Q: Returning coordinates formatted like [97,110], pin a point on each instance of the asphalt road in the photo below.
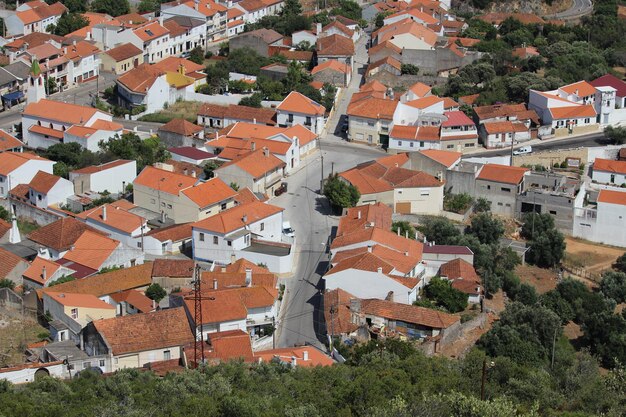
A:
[301,319]
[585,141]
[578,8]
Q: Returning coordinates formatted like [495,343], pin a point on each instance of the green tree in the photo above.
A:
[380,19]
[209,167]
[69,22]
[482,205]
[291,8]
[74,6]
[51,86]
[439,230]
[526,294]
[217,77]
[234,186]
[613,286]
[404,227]
[443,294]
[253,100]
[112,7]
[155,292]
[547,245]
[130,146]
[64,278]
[349,9]
[340,193]
[487,228]
[458,203]
[409,69]
[4,214]
[617,135]
[147,6]
[197,55]
[604,333]
[620,263]
[493,283]
[7,283]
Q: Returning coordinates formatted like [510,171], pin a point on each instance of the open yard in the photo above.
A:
[15,334]
[543,280]
[593,257]
[187,110]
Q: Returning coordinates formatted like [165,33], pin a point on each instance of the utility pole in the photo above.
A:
[512,143]
[332,328]
[553,346]
[322,171]
[274,333]
[197,289]
[69,367]
[483,380]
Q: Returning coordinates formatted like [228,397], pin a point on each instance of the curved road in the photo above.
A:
[579,8]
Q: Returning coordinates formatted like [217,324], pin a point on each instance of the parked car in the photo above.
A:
[287,230]
[281,190]
[523,150]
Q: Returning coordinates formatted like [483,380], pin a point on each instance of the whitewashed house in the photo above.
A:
[20,168]
[299,109]
[605,223]
[112,176]
[47,190]
[606,171]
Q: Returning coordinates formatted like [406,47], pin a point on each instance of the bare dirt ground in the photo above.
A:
[593,257]
[460,347]
[572,331]
[15,334]
[543,280]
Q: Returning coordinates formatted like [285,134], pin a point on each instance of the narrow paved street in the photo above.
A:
[301,318]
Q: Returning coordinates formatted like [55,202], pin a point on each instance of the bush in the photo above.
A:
[457,203]
[7,283]
[443,294]
[155,292]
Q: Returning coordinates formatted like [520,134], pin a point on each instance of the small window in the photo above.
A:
[139,245]
[223,206]
[489,187]
[262,226]
[500,204]
[553,212]
[86,365]
[229,242]
[39,197]
[101,362]
[201,237]
[215,240]
[163,204]
[167,355]
[399,143]
[411,144]
[505,189]
[450,147]
[74,313]
[169,206]
[152,201]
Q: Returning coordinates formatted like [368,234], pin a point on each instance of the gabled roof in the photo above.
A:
[268,36]
[612,197]
[256,163]
[150,31]
[209,193]
[135,298]
[219,307]
[459,268]
[335,45]
[610,80]
[92,169]
[79,300]
[373,108]
[570,112]
[181,127]
[35,271]
[388,60]
[108,283]
[315,357]
[123,52]
[116,218]
[299,103]
[504,127]
[10,161]
[59,111]
[61,234]
[228,345]
[609,165]
[33,39]
[40,11]
[424,17]
[502,173]
[333,65]
[92,249]
[143,332]
[191,152]
[8,262]
[368,215]
[420,89]
[406,26]
[224,279]
[339,26]
[364,261]
[8,141]
[260,115]
[43,182]
[409,314]
[446,158]
[581,89]
[457,118]
[233,219]
[164,181]
[382,237]
[337,313]
[140,78]
[424,102]
[173,268]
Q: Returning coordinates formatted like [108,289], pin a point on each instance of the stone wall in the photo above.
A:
[31,213]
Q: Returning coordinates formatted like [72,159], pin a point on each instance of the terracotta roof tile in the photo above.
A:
[123,52]
[61,234]
[210,192]
[504,127]
[92,169]
[143,332]
[43,182]
[333,65]
[340,320]
[181,127]
[8,141]
[91,249]
[59,111]
[612,197]
[335,45]
[9,161]
[360,217]
[229,345]
[409,314]
[173,268]
[135,298]
[382,237]
[569,112]
[502,173]
[36,269]
[372,108]
[116,218]
[581,89]
[609,165]
[447,158]
[299,103]
[256,163]
[175,233]
[150,31]
[8,262]
[164,181]
[233,219]
[315,357]
[220,306]
[4,227]
[261,115]
[79,300]
[610,80]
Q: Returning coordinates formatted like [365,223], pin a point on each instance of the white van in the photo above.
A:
[523,150]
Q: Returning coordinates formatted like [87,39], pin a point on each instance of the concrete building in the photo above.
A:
[258,170]
[121,59]
[33,16]
[501,185]
[260,41]
[49,190]
[604,223]
[299,109]
[112,176]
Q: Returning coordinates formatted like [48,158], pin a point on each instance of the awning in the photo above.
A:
[16,95]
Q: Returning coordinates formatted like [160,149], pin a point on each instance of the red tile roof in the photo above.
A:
[447,158]
[173,268]
[333,65]
[9,261]
[61,234]
[144,332]
[256,163]
[150,31]
[209,193]
[175,233]
[233,219]
[164,181]
[382,237]
[610,80]
[123,52]
[8,141]
[299,103]
[612,197]
[409,314]
[102,167]
[457,118]
[609,165]
[337,313]
[581,89]
[360,217]
[570,112]
[79,300]
[229,345]
[43,182]
[9,161]
[116,218]
[181,127]
[502,173]
[35,271]
[136,299]
[59,111]
[335,45]
[92,249]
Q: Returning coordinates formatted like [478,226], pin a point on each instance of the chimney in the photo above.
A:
[104,213]
[380,269]
[195,4]
[406,253]
[154,305]
[253,146]
[355,305]
[359,215]
[389,296]
[185,171]
[398,231]
[294,361]
[248,277]
[318,29]
[406,234]
[266,152]
[214,284]
[161,20]
[193,173]
[254,121]
[223,269]
[369,248]
[244,219]
[44,275]
[305,355]
[61,295]
[233,258]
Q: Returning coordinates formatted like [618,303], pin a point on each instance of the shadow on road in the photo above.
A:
[322,206]
[317,302]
